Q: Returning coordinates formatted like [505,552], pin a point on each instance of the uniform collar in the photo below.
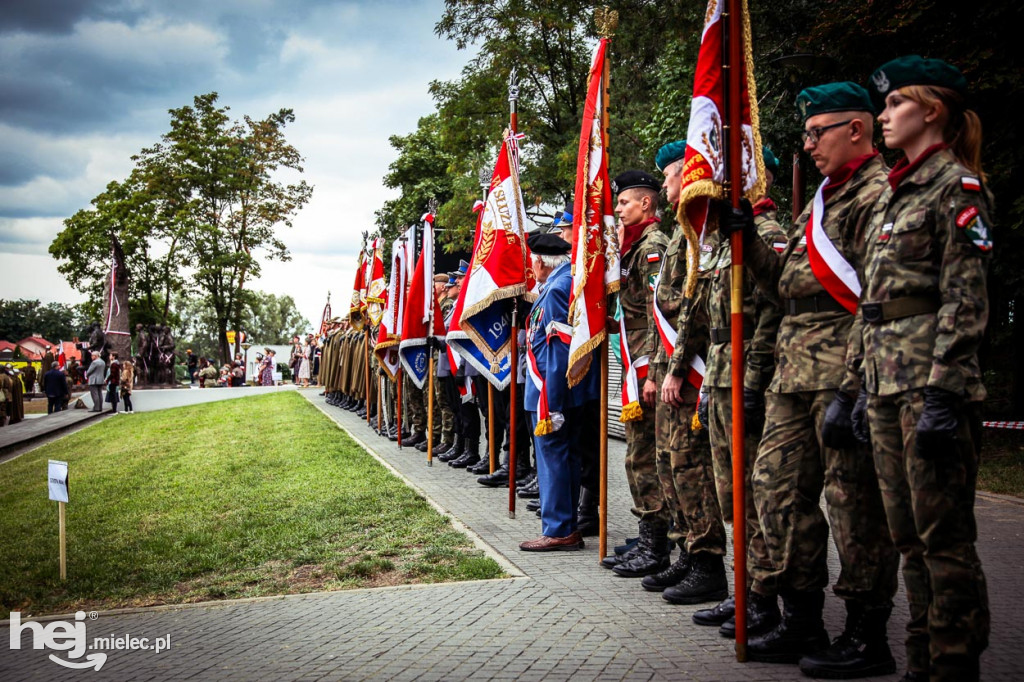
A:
[631,234]
[920,171]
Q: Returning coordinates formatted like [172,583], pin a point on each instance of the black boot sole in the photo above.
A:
[702,598]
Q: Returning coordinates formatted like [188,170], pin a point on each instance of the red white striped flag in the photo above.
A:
[703,174]
[595,247]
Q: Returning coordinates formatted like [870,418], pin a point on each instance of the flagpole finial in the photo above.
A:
[513,85]
[432,205]
[606,20]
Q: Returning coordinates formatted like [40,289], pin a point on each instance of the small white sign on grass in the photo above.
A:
[57,477]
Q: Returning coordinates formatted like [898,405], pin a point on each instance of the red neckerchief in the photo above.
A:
[631,233]
[763,205]
[844,173]
[904,168]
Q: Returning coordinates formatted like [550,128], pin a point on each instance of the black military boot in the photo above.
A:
[588,518]
[651,555]
[762,616]
[454,450]
[801,632]
[414,440]
[499,479]
[483,467]
[422,447]
[716,615]
[706,581]
[861,651]
[671,576]
[445,447]
[357,406]
[470,456]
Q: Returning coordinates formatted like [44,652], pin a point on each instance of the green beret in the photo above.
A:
[670,153]
[913,69]
[822,99]
[771,163]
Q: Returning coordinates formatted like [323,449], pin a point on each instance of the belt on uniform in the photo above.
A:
[633,325]
[819,303]
[724,334]
[897,308]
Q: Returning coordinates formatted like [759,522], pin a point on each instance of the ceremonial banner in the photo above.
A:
[389,333]
[703,175]
[62,358]
[375,284]
[325,318]
[460,346]
[357,309]
[500,269]
[422,318]
[595,248]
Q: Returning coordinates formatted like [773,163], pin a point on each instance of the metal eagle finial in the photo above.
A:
[606,20]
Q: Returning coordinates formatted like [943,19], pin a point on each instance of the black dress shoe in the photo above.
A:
[533,505]
[526,482]
[529,492]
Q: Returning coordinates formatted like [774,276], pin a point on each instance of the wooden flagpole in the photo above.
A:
[366,370]
[733,67]
[513,121]
[430,405]
[398,406]
[606,20]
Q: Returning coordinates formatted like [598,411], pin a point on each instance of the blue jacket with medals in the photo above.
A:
[548,335]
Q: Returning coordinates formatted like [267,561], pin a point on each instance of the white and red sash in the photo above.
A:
[669,335]
[633,372]
[831,269]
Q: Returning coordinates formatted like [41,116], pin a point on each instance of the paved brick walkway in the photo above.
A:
[564,618]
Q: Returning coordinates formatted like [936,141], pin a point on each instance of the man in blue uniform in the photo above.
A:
[555,410]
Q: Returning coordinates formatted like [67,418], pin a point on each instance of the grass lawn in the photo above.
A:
[1001,469]
[240,498]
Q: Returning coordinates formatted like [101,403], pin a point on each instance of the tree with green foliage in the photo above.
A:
[53,321]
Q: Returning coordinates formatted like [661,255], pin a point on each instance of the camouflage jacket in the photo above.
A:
[693,327]
[810,349]
[761,315]
[640,267]
[929,238]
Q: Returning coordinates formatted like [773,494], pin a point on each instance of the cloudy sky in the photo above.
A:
[84,84]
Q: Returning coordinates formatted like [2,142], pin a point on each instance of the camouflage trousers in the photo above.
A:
[686,474]
[414,404]
[759,564]
[930,507]
[792,469]
[444,415]
[642,470]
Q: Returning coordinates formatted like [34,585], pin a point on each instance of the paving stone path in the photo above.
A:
[560,616]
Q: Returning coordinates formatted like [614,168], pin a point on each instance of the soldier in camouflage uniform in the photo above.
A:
[761,317]
[923,312]
[683,455]
[643,246]
[793,463]
[444,416]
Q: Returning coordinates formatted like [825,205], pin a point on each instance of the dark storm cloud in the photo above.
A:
[51,16]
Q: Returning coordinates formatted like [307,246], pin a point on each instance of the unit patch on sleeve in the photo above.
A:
[969,220]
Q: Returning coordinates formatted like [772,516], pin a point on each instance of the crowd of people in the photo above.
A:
[862,321]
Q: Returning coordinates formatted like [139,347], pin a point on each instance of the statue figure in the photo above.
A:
[115,304]
[167,359]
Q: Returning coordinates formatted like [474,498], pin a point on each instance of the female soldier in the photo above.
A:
[923,311]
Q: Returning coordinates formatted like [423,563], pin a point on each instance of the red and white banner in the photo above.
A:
[704,164]
[376,285]
[357,308]
[422,319]
[830,268]
[500,268]
[62,358]
[389,333]
[595,248]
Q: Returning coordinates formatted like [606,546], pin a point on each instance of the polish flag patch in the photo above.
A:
[779,246]
[653,257]
[970,184]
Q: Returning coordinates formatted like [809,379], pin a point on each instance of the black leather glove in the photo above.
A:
[936,429]
[702,410]
[753,408]
[837,431]
[859,418]
[732,220]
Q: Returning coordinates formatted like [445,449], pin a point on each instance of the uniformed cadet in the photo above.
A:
[793,463]
[683,455]
[923,312]
[642,246]
[555,410]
